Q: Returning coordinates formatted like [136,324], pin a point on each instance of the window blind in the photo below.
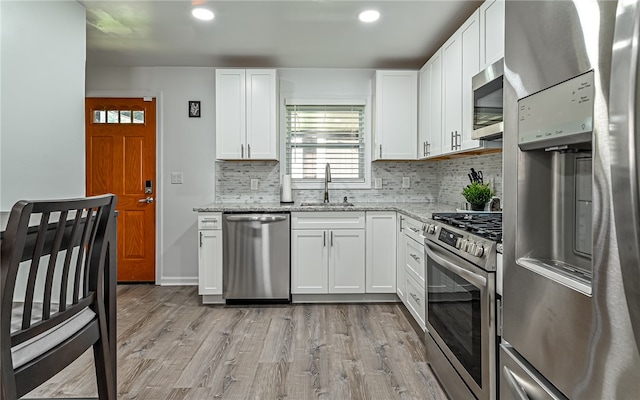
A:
[321,134]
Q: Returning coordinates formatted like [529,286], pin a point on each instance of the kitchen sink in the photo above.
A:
[336,204]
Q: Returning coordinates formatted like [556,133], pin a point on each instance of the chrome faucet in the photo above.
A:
[327,179]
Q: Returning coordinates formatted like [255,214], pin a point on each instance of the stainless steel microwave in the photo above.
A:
[488,102]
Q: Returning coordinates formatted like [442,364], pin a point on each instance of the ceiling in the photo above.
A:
[279,34]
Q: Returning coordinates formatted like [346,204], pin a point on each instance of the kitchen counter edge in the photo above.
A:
[419,211]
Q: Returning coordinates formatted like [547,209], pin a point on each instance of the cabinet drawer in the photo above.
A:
[210,221]
[414,259]
[412,228]
[416,301]
[327,220]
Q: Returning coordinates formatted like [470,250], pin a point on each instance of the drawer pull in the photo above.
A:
[200,239]
[415,257]
[416,230]
[415,297]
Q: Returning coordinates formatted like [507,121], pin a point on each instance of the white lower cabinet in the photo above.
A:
[330,258]
[412,264]
[210,254]
[381,252]
[346,260]
[401,280]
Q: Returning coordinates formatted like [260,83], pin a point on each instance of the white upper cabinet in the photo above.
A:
[430,116]
[246,114]
[396,115]
[461,60]
[491,32]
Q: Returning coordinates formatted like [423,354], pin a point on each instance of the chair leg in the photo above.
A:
[107,389]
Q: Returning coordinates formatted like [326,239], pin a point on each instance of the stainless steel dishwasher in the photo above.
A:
[256,257]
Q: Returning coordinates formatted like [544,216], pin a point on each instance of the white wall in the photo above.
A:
[185,145]
[42,108]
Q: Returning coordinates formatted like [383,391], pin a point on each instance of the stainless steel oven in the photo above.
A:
[488,102]
[461,310]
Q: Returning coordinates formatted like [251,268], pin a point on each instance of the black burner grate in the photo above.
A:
[486,225]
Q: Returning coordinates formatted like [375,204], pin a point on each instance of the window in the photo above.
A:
[321,134]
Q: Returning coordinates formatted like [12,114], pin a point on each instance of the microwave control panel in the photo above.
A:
[561,114]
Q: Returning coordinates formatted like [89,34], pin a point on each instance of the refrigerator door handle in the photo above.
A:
[625,149]
[517,390]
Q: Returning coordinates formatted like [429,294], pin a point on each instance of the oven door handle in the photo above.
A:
[476,279]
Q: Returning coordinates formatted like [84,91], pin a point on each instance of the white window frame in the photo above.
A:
[368,138]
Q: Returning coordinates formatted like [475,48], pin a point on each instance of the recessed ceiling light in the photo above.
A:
[369,16]
[202,13]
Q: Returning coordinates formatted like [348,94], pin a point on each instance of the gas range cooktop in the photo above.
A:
[485,225]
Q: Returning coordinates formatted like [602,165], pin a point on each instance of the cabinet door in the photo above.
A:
[381,252]
[470,37]
[230,114]
[424,109]
[346,261]
[210,262]
[491,32]
[452,91]
[396,115]
[401,280]
[309,258]
[430,121]
[262,135]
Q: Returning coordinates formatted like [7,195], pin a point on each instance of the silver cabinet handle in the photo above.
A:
[147,200]
[324,239]
[424,149]
[415,297]
[241,151]
[414,229]
[401,221]
[451,140]
[415,257]
[248,151]
[331,238]
[200,239]
[428,149]
[380,151]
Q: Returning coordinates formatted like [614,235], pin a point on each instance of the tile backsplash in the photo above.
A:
[431,181]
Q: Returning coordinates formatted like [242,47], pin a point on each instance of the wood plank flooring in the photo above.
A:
[172,347]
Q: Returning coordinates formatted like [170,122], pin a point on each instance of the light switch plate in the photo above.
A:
[254,184]
[406,182]
[176,178]
[377,183]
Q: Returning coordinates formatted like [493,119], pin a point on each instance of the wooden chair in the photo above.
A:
[59,263]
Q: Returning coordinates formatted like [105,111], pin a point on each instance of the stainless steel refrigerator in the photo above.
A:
[571,296]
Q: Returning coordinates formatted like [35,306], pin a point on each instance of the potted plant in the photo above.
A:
[478,195]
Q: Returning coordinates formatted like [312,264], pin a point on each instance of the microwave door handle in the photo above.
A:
[475,279]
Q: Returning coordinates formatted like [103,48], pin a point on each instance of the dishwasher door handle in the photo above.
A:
[256,218]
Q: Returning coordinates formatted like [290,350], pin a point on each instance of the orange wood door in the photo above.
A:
[121,159]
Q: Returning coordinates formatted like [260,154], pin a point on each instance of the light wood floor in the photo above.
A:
[172,347]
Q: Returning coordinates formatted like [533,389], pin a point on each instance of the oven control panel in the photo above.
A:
[450,238]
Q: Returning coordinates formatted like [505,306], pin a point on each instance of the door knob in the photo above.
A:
[148,200]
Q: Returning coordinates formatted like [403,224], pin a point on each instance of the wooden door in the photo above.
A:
[121,159]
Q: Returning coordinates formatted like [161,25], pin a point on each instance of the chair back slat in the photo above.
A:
[64,284]
[51,267]
[33,270]
[86,232]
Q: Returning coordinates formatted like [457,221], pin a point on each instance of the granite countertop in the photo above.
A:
[419,211]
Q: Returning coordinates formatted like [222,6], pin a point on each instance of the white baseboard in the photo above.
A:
[182,281]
